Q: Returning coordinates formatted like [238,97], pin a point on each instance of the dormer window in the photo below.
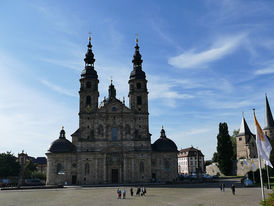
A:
[114,109]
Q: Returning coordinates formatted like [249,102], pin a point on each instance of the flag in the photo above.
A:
[263,146]
[253,166]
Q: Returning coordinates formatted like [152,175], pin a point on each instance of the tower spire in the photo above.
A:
[269,123]
[89,60]
[244,129]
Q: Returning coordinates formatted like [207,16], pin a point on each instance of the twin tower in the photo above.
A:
[112,143]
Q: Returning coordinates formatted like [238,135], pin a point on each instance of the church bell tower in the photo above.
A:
[89,94]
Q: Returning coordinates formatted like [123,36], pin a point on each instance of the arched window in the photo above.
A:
[138,85]
[88,100]
[139,100]
[167,165]
[86,168]
[127,128]
[100,131]
[142,167]
[59,169]
[114,133]
[88,85]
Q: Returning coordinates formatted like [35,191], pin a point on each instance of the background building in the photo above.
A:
[113,143]
[190,160]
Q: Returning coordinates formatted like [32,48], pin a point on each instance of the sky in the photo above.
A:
[206,62]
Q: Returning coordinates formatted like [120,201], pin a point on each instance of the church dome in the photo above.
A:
[164,144]
[62,144]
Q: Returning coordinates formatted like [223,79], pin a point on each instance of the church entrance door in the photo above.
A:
[114,175]
[74,179]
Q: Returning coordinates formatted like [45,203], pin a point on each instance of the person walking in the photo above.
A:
[119,193]
[233,189]
[131,191]
[223,187]
[124,193]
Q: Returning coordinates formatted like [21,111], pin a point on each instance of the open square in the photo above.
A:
[189,194]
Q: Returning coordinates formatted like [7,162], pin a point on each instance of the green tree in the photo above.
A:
[8,165]
[29,169]
[215,157]
[234,144]
[224,150]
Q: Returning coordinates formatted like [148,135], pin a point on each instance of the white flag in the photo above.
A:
[263,145]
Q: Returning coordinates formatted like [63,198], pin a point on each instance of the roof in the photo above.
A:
[61,145]
[190,151]
[244,129]
[40,160]
[164,144]
[269,123]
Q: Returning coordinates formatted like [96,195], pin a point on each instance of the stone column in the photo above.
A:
[132,170]
[105,168]
[125,169]
[96,170]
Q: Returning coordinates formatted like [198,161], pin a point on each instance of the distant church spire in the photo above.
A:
[269,123]
[244,129]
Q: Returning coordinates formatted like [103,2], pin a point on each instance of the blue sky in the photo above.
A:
[206,62]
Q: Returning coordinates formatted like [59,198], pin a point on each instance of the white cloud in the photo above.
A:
[192,59]
[267,70]
[58,88]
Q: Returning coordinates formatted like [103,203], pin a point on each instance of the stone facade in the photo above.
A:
[113,143]
[190,161]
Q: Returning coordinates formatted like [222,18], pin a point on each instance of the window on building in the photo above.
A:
[240,139]
[142,167]
[127,128]
[139,100]
[88,85]
[86,168]
[114,134]
[60,169]
[138,85]
[167,165]
[100,131]
[88,100]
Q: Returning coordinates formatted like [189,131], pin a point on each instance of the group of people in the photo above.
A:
[140,191]
[222,188]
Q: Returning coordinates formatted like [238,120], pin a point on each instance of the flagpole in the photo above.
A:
[268,182]
[260,168]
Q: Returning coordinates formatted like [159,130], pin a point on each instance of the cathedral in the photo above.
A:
[113,143]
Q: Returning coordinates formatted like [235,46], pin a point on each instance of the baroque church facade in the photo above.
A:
[113,143]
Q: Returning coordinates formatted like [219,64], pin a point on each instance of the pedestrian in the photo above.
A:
[233,189]
[138,191]
[144,191]
[118,193]
[124,193]
[131,191]
[223,187]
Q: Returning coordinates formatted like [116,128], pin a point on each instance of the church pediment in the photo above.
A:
[113,106]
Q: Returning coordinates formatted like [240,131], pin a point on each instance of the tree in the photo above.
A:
[215,157]
[29,169]
[8,165]
[224,150]
[234,144]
